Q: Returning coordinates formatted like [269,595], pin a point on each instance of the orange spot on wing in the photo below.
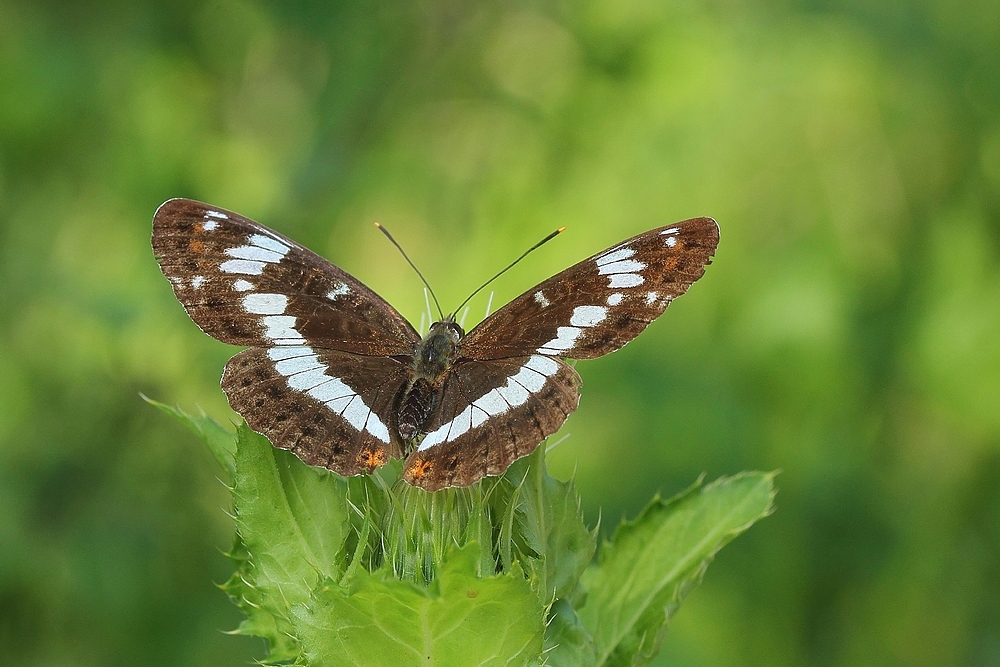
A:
[671,263]
[372,459]
[196,246]
[419,469]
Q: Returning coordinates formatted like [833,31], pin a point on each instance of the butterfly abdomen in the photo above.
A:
[416,409]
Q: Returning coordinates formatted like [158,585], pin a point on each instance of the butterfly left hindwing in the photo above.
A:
[330,408]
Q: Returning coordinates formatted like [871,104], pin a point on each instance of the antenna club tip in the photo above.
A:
[558,231]
[379,225]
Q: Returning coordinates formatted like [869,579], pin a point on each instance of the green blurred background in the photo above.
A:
[848,332]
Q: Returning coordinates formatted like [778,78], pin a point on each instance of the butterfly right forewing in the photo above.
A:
[598,305]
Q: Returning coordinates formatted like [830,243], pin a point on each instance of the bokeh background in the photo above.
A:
[848,332]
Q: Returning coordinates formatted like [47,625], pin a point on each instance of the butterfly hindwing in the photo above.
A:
[245,284]
[332,409]
[491,414]
[600,304]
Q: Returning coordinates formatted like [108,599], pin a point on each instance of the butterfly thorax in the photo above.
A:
[431,361]
[435,352]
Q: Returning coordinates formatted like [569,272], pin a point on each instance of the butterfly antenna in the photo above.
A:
[412,265]
[511,265]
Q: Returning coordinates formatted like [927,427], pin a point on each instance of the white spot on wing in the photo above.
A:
[588,316]
[198,281]
[671,241]
[478,415]
[460,424]
[329,390]
[265,304]
[377,428]
[356,413]
[543,365]
[623,266]
[267,242]
[209,225]
[216,214]
[339,290]
[242,266]
[625,280]
[540,298]
[615,299]
[529,379]
[279,353]
[242,285]
[614,256]
[338,404]
[651,297]
[281,327]
[513,393]
[255,253]
[672,230]
[564,340]
[289,367]
[435,438]
[308,379]
[492,403]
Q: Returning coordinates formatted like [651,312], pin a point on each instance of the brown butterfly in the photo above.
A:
[336,375]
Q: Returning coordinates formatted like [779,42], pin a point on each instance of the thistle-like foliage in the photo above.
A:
[371,571]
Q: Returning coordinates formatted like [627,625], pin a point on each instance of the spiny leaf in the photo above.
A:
[293,520]
[567,642]
[459,619]
[219,440]
[551,522]
[651,563]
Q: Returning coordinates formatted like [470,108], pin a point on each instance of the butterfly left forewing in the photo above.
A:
[245,284]
[491,414]
[600,304]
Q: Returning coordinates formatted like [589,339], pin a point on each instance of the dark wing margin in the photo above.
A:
[600,304]
[245,284]
[492,413]
[329,408]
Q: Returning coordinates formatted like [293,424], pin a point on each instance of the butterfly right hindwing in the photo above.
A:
[491,414]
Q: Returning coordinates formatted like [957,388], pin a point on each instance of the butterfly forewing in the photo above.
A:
[247,285]
[600,304]
[492,413]
[329,408]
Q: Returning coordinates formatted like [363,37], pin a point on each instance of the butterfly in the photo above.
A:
[337,376]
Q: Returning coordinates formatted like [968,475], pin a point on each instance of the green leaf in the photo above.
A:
[293,521]
[651,563]
[567,642]
[259,621]
[220,440]
[551,522]
[459,619]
